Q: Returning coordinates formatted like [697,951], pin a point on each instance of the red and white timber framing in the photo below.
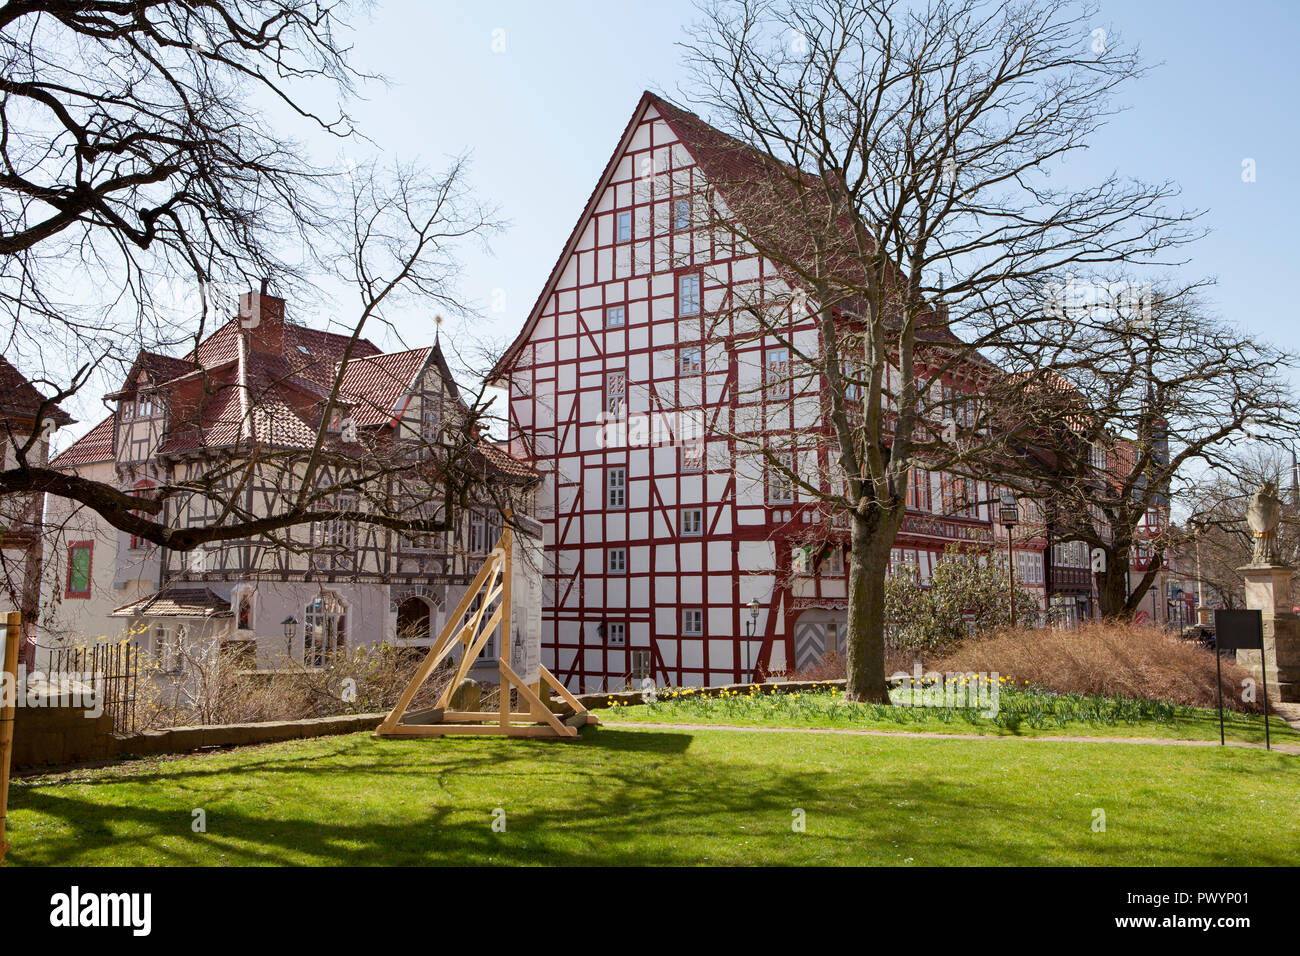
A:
[639,560]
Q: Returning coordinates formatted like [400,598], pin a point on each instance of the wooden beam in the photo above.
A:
[434,657]
[526,692]
[13,636]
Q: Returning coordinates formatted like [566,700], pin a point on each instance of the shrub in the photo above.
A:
[1103,659]
[966,595]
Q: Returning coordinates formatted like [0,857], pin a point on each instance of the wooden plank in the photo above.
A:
[471,654]
[526,692]
[434,657]
[450,730]
[471,630]
[563,691]
[507,543]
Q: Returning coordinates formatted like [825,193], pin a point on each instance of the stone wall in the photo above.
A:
[46,736]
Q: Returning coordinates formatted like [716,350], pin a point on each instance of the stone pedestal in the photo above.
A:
[1268,589]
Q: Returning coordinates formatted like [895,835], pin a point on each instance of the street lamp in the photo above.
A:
[750,625]
[1009,515]
[290,625]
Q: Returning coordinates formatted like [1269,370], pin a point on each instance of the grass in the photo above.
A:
[632,796]
[1021,711]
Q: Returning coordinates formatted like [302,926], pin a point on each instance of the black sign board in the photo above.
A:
[1240,631]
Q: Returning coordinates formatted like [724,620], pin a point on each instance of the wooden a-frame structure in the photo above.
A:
[492,585]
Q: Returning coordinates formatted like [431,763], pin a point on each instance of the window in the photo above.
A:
[168,648]
[689,361]
[833,565]
[79,566]
[681,215]
[692,521]
[244,614]
[688,294]
[616,394]
[693,456]
[615,634]
[484,531]
[339,533]
[616,488]
[960,496]
[640,665]
[918,489]
[780,483]
[778,373]
[616,560]
[623,227]
[615,317]
[692,622]
[325,633]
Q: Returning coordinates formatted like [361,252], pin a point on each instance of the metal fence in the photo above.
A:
[117,665]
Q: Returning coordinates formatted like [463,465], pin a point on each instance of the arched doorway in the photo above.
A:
[818,632]
[414,620]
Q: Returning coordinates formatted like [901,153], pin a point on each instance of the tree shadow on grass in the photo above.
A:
[615,798]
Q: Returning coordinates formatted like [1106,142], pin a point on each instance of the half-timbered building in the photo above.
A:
[248,406]
[672,553]
[28,420]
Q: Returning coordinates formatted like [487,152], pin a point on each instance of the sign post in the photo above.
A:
[1239,631]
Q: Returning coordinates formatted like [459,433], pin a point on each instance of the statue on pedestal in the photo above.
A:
[1263,512]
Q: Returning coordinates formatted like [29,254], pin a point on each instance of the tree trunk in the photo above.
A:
[1112,588]
[865,642]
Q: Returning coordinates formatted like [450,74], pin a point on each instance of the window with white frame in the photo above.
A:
[688,294]
[616,560]
[167,648]
[778,373]
[615,633]
[681,215]
[693,456]
[623,226]
[484,531]
[615,316]
[616,393]
[833,565]
[616,488]
[780,481]
[324,629]
[689,361]
[692,521]
[339,532]
[692,622]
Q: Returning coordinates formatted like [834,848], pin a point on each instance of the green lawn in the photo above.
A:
[1022,712]
[627,795]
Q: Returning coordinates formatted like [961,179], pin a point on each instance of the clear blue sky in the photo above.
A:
[543,115]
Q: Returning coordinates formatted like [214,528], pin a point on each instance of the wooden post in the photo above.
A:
[507,637]
[13,637]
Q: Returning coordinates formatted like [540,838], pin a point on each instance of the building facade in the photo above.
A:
[241,414]
[28,421]
[672,553]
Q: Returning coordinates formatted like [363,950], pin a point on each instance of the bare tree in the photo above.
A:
[1129,395]
[1213,537]
[909,188]
[149,169]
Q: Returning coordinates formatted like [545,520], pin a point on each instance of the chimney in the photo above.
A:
[261,318]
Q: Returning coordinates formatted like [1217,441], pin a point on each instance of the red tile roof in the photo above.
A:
[90,449]
[19,397]
[238,392]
